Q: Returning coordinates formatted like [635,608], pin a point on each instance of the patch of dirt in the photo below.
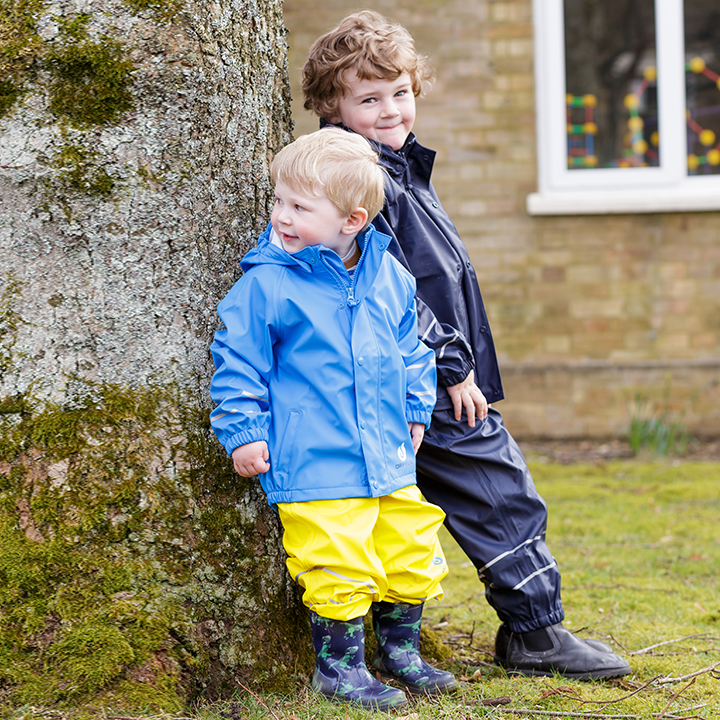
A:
[566,452]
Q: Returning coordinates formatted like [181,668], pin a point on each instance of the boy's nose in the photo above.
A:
[389,109]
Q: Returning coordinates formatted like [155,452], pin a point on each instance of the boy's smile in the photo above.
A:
[381,110]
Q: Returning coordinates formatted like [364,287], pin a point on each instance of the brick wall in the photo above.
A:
[589,313]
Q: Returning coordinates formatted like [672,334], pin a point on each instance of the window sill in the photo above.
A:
[602,202]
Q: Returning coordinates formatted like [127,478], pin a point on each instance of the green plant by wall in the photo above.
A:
[656,430]
[81,172]
[84,603]
[88,82]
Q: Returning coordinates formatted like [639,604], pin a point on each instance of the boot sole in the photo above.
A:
[372,707]
[416,690]
[607,674]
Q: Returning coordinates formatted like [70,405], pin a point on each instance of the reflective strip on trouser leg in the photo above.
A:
[349,553]
[480,479]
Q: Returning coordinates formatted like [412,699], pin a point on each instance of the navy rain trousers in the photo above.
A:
[479,477]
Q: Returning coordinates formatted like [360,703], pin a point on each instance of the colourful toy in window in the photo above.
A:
[640,145]
[581,152]
[709,151]
[638,152]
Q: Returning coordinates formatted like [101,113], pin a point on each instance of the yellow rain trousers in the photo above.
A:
[349,553]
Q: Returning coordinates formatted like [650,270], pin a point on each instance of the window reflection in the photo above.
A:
[702,85]
[611,83]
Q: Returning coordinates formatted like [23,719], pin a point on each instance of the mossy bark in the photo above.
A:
[136,569]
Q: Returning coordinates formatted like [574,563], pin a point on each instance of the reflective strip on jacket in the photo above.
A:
[325,367]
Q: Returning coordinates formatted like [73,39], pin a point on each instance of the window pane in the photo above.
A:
[702,83]
[610,76]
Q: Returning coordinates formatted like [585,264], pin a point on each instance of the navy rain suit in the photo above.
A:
[478,476]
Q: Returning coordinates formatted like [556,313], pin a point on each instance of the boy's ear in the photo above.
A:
[355,221]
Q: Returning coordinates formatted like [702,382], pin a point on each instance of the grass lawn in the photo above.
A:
[638,545]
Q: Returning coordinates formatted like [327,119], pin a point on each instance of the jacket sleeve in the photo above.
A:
[419,363]
[243,357]
[453,354]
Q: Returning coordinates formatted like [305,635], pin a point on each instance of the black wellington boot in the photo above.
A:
[340,671]
[397,628]
[554,649]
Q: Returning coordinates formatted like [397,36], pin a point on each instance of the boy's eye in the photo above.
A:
[299,208]
[369,100]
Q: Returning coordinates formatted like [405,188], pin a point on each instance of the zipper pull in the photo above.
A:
[351,301]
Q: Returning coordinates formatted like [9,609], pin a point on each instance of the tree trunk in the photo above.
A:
[136,569]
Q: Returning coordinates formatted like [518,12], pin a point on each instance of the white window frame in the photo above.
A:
[667,188]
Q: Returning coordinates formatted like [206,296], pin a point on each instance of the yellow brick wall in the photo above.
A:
[588,312]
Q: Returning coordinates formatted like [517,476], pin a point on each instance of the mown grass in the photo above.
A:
[639,549]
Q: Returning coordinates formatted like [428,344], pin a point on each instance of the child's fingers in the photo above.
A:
[470,409]
[482,407]
[417,432]
[457,405]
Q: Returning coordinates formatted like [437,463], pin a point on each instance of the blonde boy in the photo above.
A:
[324,390]
[364,76]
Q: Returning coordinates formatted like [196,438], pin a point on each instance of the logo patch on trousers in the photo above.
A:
[402,453]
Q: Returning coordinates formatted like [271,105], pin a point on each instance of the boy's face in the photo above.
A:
[302,220]
[382,110]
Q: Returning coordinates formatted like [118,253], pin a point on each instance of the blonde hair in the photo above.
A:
[367,44]
[337,164]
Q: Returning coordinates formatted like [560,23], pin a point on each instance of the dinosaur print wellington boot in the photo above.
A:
[340,671]
[397,628]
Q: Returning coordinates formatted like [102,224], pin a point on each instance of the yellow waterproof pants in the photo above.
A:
[349,553]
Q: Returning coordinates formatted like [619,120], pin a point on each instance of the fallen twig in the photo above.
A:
[624,697]
[704,671]
[674,697]
[682,714]
[642,651]
[532,712]
[617,642]
[258,699]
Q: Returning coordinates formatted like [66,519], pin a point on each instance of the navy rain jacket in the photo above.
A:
[451,315]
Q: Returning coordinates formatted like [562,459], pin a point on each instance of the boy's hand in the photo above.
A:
[469,396]
[417,433]
[251,459]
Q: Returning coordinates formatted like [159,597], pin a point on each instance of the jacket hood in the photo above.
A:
[318,258]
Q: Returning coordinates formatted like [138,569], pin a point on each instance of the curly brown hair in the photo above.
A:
[367,44]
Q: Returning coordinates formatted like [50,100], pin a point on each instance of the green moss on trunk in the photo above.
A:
[133,572]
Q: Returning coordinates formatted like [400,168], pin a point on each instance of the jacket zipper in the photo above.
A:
[348,288]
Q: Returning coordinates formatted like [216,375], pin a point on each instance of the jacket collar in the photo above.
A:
[318,258]
[397,162]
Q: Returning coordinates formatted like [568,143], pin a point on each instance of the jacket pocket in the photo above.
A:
[288,448]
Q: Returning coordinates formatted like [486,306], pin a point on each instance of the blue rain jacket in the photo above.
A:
[325,367]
